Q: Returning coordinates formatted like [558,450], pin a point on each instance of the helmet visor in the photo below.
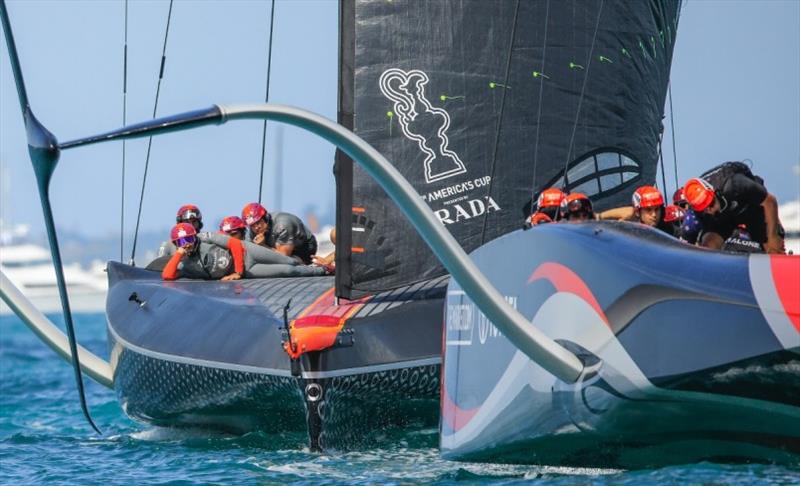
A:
[186,240]
[190,214]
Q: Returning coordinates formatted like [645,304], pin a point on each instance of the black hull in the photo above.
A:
[208,354]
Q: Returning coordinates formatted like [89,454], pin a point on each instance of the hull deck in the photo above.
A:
[210,354]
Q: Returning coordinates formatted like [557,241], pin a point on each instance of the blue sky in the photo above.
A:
[735,76]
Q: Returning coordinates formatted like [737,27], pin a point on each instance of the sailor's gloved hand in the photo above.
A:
[258,239]
[233,276]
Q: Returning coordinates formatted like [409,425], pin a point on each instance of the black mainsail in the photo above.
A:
[481,105]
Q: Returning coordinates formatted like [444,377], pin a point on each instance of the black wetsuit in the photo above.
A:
[740,195]
[288,229]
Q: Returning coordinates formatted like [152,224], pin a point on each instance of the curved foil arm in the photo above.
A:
[535,344]
[97,368]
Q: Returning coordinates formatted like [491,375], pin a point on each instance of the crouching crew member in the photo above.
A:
[283,232]
[577,208]
[548,206]
[202,260]
[728,196]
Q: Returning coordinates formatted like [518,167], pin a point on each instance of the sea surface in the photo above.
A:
[44,438]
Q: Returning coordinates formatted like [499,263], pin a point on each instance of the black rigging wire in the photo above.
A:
[500,118]
[539,110]
[150,139]
[583,90]
[672,134]
[661,160]
[124,122]
[266,100]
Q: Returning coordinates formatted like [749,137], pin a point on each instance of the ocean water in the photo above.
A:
[44,438]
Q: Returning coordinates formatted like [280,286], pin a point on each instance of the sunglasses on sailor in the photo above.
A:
[186,240]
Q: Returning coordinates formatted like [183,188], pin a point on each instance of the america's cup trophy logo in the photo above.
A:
[422,122]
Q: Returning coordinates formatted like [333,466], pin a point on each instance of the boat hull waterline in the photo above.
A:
[691,355]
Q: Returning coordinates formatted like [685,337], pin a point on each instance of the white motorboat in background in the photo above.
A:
[30,269]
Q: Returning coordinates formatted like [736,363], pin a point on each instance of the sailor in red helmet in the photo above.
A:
[548,206]
[284,232]
[673,216]
[728,196]
[188,213]
[202,260]
[577,208]
[690,226]
[647,207]
[261,261]
[233,226]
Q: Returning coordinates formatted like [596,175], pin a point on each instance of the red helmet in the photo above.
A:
[187,212]
[647,197]
[576,203]
[182,230]
[540,218]
[699,194]
[550,197]
[678,198]
[231,223]
[673,213]
[253,212]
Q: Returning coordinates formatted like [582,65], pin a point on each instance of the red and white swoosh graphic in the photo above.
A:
[776,286]
[565,280]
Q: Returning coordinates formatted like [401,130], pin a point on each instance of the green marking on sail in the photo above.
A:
[653,43]
[626,53]
[572,65]
[444,97]
[494,85]
[661,36]
[390,115]
[605,59]
[537,74]
[644,51]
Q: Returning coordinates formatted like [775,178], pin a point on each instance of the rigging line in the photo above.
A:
[124,122]
[661,159]
[539,110]
[500,118]
[150,139]
[266,100]
[583,90]
[672,135]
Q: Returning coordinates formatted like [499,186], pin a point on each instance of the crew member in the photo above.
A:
[233,226]
[577,208]
[730,195]
[690,225]
[188,213]
[548,206]
[202,260]
[284,232]
[647,208]
[673,216]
